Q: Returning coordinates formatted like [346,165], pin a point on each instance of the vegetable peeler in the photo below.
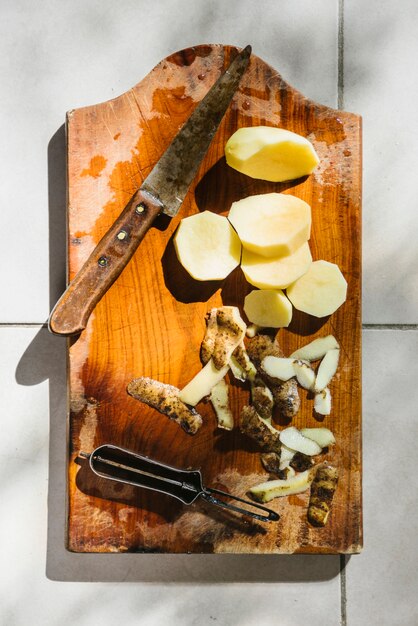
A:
[115,463]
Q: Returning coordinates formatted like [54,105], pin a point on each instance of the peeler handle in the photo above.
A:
[207,494]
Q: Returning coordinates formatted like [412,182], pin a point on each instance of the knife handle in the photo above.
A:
[72,311]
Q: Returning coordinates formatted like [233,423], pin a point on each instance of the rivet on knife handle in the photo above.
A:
[163,191]
[72,311]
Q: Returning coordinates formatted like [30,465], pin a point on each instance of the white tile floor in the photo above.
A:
[65,54]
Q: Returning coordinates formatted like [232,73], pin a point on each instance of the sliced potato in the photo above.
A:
[207,246]
[279,488]
[219,397]
[322,436]
[273,154]
[278,367]
[202,384]
[327,369]
[305,375]
[292,438]
[316,349]
[268,308]
[271,224]
[275,272]
[319,292]
[322,402]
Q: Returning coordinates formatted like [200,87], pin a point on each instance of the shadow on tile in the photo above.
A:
[57,201]
[45,359]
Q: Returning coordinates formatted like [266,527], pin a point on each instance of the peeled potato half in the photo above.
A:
[207,246]
[268,308]
[271,224]
[275,273]
[319,292]
[272,154]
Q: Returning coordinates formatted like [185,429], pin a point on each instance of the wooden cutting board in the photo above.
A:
[151,322]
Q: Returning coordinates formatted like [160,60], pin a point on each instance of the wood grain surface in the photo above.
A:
[151,321]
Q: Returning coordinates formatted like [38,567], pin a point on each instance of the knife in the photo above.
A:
[163,191]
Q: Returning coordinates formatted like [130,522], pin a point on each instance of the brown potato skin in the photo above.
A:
[165,399]
[322,492]
[285,395]
[251,424]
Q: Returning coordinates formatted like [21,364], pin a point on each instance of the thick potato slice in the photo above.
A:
[268,308]
[271,154]
[271,224]
[207,246]
[275,272]
[319,292]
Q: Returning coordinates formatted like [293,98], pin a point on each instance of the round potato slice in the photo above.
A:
[271,154]
[271,224]
[319,292]
[268,308]
[275,273]
[207,246]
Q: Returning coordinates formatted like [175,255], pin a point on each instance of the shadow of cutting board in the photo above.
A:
[151,322]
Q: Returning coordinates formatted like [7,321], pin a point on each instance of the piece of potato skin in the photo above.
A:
[271,462]
[323,488]
[285,395]
[230,333]
[301,462]
[164,398]
[264,492]
[220,402]
[262,399]
[254,426]
[208,343]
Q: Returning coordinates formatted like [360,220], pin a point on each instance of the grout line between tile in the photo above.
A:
[340,55]
[390,326]
[343,590]
[23,325]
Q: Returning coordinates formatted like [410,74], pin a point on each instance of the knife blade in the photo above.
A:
[163,191]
